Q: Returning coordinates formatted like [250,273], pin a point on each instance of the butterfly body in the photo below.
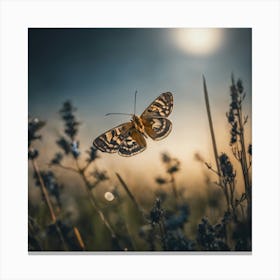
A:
[138,124]
[129,138]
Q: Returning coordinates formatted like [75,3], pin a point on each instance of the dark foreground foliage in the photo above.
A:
[117,221]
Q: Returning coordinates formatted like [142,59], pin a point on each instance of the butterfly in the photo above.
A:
[128,139]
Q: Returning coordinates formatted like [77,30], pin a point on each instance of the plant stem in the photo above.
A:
[94,202]
[232,201]
[131,196]
[211,128]
[67,168]
[174,188]
[79,238]
[224,186]
[243,162]
[162,235]
[221,181]
[44,191]
[132,242]
[48,202]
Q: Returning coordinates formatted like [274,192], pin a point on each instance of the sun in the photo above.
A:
[199,41]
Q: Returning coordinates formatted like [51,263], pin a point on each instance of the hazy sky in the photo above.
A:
[100,69]
[92,66]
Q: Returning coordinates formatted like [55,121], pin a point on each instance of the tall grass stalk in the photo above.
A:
[211,128]
[94,203]
[240,152]
[79,238]
[48,203]
[91,197]
[70,145]
[214,144]
[125,225]
[129,193]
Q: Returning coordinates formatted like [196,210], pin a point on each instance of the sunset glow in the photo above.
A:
[199,41]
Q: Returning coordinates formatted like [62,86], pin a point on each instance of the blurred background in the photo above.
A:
[98,70]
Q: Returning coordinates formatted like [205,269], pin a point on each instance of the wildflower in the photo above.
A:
[230,116]
[237,95]
[64,145]
[234,133]
[33,232]
[198,157]
[172,164]
[233,139]
[176,241]
[178,219]
[57,159]
[234,96]
[156,213]
[211,237]
[93,155]
[160,180]
[33,126]
[165,158]
[75,149]
[250,149]
[67,107]
[71,125]
[226,167]
[100,175]
[50,183]
[240,86]
[33,153]
[174,167]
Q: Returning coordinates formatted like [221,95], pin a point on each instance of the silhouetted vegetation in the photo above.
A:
[115,220]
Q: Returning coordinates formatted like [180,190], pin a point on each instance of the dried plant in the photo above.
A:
[118,220]
[172,166]
[237,121]
[224,167]
[69,144]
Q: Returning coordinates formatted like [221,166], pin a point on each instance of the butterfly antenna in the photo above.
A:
[135,101]
[118,114]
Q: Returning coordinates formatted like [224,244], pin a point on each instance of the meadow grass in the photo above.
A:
[218,221]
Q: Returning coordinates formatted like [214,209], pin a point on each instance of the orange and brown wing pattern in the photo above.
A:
[111,140]
[161,107]
[128,140]
[154,118]
[157,128]
[133,144]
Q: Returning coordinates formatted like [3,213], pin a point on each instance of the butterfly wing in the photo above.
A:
[124,139]
[154,117]
[133,144]
[111,140]
[161,107]
[157,128]
[127,140]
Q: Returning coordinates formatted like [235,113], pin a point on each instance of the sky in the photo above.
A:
[100,69]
